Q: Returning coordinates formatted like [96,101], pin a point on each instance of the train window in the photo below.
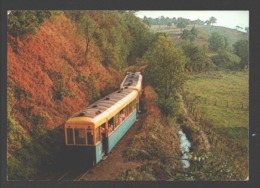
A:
[80,136]
[132,106]
[90,136]
[98,138]
[127,110]
[116,120]
[110,125]
[69,136]
[122,115]
[134,103]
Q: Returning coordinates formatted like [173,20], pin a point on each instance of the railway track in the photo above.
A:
[73,175]
[77,174]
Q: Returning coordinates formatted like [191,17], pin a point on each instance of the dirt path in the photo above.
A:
[202,133]
[115,165]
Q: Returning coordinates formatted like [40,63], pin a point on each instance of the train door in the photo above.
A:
[104,137]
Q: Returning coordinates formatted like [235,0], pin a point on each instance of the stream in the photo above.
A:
[185,148]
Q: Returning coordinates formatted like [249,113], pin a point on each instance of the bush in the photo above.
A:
[18,171]
[61,92]
[170,106]
[39,121]
[81,78]
[16,135]
[21,23]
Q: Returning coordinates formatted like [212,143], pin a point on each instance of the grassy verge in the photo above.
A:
[219,103]
[223,101]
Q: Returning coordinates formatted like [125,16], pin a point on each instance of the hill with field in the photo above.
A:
[204,33]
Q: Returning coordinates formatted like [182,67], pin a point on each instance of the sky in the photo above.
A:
[229,19]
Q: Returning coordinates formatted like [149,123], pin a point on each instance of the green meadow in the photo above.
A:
[222,98]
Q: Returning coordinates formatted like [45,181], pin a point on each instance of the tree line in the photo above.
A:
[235,57]
[179,22]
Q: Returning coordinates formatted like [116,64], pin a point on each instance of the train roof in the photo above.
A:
[132,80]
[106,107]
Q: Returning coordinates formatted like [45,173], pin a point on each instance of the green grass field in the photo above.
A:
[222,98]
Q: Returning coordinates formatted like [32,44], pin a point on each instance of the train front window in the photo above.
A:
[80,136]
[69,136]
[90,136]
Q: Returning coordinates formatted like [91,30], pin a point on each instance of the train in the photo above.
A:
[93,132]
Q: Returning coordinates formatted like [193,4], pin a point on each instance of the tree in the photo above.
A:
[247,29]
[207,22]
[217,41]
[120,36]
[241,49]
[238,27]
[174,20]
[165,70]
[197,22]
[212,20]
[197,60]
[182,23]
[85,24]
[169,24]
[141,37]
[189,34]
[194,31]
[226,59]
[147,21]
[186,34]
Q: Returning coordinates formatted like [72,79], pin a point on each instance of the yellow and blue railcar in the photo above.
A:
[133,80]
[93,132]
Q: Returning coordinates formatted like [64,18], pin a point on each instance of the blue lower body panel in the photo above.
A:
[121,130]
[99,153]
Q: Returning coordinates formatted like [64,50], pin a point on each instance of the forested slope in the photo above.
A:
[55,70]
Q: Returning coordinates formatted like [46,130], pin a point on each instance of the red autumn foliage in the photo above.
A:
[56,54]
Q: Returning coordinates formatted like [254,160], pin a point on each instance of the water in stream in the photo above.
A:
[185,148]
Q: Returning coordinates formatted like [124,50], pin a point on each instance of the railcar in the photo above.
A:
[93,132]
[133,80]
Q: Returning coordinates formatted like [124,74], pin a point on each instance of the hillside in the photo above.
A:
[56,67]
[204,33]
[46,76]
[49,80]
